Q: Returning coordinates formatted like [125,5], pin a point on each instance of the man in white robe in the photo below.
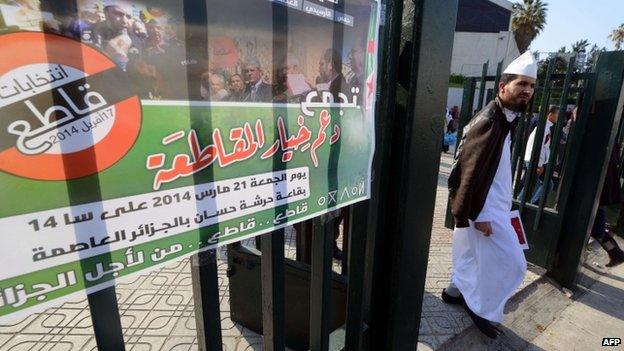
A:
[544,155]
[488,262]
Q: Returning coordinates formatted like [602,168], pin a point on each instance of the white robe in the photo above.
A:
[488,270]
[545,151]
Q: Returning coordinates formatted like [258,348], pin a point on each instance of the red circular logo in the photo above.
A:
[65,109]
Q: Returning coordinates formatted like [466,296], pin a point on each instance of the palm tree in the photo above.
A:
[617,36]
[528,21]
[580,46]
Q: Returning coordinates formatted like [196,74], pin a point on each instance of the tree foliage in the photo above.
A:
[585,59]
[529,19]
[580,46]
[617,36]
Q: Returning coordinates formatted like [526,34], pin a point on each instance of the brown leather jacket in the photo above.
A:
[476,162]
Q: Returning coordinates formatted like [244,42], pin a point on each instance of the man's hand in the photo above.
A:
[484,227]
[539,170]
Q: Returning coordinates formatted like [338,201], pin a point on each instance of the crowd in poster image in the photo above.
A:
[148,43]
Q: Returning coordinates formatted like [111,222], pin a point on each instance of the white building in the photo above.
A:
[482,34]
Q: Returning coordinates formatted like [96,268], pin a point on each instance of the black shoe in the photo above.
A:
[616,257]
[483,324]
[337,253]
[455,300]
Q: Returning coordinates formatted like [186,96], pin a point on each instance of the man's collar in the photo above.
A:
[509,114]
[257,84]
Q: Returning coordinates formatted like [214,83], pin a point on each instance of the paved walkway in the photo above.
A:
[598,312]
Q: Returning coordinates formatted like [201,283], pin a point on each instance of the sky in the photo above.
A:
[568,21]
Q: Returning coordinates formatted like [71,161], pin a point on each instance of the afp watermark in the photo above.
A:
[611,341]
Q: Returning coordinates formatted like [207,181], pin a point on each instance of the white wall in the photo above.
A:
[472,50]
[455,96]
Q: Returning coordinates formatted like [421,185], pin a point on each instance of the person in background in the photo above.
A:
[293,91]
[455,112]
[330,74]
[155,43]
[205,85]
[217,88]
[446,140]
[28,15]
[144,78]
[281,93]
[117,34]
[544,155]
[237,88]
[355,73]
[81,27]
[563,141]
[453,124]
[257,90]
[611,195]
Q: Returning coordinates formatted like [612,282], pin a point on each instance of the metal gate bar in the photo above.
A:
[273,291]
[548,172]
[571,136]
[346,214]
[204,269]
[355,289]
[320,303]
[103,304]
[387,88]
[272,244]
[206,300]
[522,134]
[499,71]
[482,86]
[399,282]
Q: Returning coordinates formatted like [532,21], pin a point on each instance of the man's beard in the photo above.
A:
[515,106]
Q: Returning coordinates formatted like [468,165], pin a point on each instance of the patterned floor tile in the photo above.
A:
[159,323]
[23,342]
[4,338]
[67,343]
[146,343]
[180,343]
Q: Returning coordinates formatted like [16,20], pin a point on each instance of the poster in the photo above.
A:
[132,136]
